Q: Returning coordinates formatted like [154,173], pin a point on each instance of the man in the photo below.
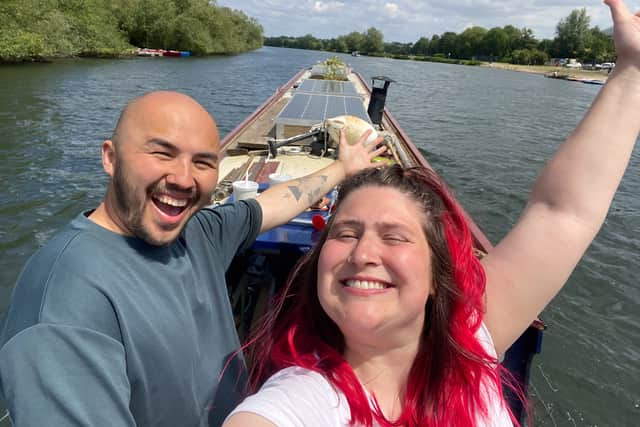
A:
[123,317]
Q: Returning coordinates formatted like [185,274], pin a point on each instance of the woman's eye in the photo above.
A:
[344,234]
[394,238]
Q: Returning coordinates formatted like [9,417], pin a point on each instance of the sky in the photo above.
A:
[408,20]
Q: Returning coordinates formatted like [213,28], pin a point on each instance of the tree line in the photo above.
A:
[575,38]
[43,29]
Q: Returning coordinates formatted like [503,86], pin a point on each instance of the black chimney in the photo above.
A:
[379,85]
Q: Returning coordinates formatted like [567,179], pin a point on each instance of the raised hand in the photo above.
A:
[626,34]
[358,156]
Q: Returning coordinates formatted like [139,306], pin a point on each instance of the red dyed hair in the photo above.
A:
[449,375]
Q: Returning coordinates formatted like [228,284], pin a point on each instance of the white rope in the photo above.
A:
[4,417]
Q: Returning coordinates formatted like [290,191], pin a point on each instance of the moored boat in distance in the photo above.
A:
[289,136]
[572,78]
[162,52]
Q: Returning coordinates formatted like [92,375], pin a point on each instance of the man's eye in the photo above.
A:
[161,154]
[202,164]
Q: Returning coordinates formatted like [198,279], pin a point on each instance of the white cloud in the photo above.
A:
[408,20]
[329,6]
[391,9]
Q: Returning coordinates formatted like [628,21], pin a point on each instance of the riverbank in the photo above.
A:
[547,69]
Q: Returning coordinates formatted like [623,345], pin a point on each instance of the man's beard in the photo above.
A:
[131,207]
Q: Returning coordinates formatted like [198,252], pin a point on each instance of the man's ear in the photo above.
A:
[108,157]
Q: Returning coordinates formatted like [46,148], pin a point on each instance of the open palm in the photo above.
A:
[626,33]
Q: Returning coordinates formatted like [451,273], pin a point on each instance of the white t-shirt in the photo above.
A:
[296,397]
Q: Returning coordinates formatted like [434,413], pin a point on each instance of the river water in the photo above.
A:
[488,132]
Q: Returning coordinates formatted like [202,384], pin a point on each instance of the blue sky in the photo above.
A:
[408,20]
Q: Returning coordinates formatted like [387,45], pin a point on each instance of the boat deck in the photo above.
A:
[246,150]
[246,154]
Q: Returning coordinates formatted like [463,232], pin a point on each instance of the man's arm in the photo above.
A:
[57,375]
[570,199]
[284,201]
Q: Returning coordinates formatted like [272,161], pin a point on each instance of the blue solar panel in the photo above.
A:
[306,108]
[313,108]
[328,87]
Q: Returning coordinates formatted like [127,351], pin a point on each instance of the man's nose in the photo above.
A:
[181,175]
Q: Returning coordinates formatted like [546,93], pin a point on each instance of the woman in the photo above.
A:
[391,320]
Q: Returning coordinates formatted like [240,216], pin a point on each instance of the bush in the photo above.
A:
[41,29]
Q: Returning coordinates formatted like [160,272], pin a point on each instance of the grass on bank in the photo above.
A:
[536,69]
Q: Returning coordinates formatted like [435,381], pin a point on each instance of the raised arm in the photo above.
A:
[570,199]
[284,201]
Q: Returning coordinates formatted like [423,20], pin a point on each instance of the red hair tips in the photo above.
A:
[451,373]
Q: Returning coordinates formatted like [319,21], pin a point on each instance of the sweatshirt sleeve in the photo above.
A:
[230,228]
[61,375]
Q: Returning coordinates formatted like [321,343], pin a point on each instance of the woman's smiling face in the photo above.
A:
[374,270]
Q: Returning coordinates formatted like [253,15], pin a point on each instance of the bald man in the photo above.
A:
[123,318]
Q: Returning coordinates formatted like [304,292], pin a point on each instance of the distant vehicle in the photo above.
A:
[608,65]
[573,65]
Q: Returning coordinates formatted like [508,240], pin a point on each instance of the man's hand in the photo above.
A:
[357,157]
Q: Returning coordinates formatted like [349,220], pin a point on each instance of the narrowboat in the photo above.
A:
[288,137]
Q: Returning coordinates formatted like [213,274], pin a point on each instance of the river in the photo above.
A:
[488,132]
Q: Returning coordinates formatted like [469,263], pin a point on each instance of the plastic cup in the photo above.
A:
[245,190]
[277,178]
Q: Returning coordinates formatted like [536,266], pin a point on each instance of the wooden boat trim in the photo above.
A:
[266,104]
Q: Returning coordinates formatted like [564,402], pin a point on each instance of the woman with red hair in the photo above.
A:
[392,321]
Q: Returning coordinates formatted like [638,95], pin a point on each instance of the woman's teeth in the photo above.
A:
[365,284]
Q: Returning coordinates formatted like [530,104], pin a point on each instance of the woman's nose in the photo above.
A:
[365,252]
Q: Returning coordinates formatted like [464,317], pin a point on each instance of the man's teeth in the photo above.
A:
[171,201]
[365,284]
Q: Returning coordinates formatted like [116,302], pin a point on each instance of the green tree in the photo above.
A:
[527,39]
[546,45]
[470,42]
[41,29]
[514,35]
[373,41]
[539,57]
[573,34]
[310,42]
[355,41]
[397,48]
[529,57]
[495,43]
[600,49]
[421,47]
[449,44]
[435,46]
[341,44]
